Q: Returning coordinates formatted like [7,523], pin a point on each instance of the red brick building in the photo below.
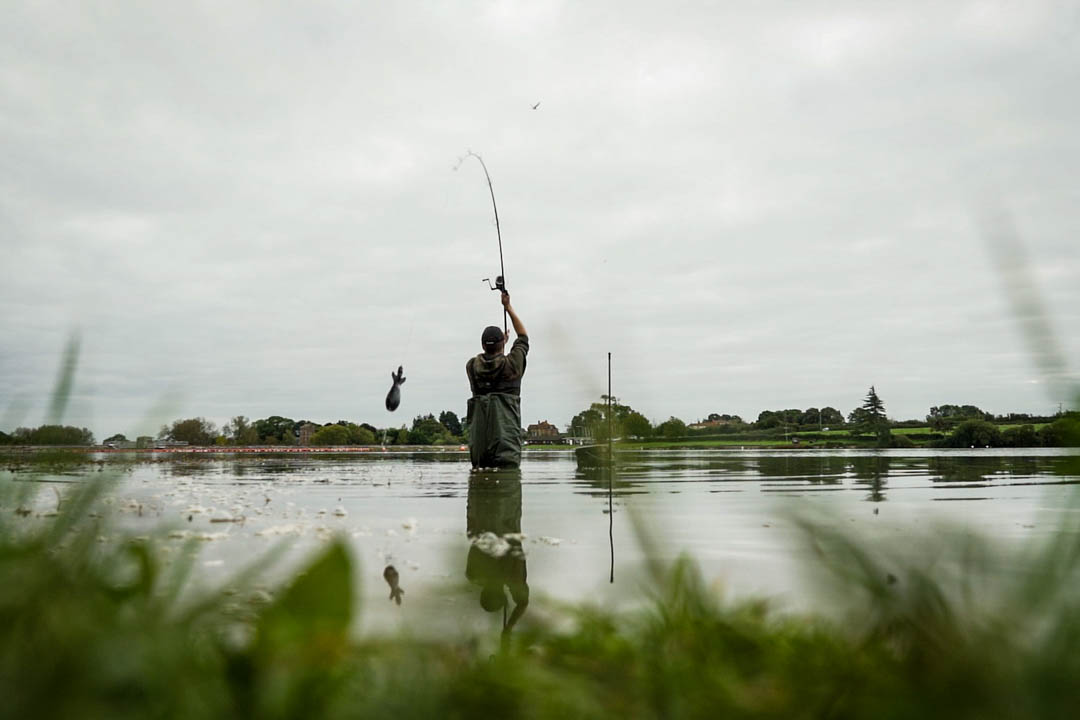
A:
[542,433]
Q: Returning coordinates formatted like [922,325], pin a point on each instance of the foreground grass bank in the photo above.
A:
[92,630]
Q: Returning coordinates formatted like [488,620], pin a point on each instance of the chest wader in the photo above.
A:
[495,430]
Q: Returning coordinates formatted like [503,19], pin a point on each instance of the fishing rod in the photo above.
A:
[500,281]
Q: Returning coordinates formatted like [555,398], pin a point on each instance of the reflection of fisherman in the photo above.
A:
[494,412]
[496,559]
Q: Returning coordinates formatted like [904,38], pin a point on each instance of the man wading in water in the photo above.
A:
[494,412]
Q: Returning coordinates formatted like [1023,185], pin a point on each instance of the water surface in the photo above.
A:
[732,510]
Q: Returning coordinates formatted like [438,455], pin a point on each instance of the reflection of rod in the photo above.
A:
[611,475]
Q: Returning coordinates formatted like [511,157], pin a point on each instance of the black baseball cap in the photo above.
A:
[492,337]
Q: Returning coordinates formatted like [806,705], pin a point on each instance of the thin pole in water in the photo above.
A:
[611,473]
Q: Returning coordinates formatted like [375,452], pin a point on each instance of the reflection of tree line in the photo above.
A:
[634,472]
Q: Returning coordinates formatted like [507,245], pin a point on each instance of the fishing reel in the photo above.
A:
[499,285]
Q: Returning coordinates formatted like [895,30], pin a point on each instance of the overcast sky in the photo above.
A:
[252,208]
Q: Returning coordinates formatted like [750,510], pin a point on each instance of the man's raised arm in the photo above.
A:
[519,328]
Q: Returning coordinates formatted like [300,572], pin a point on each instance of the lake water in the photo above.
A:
[427,515]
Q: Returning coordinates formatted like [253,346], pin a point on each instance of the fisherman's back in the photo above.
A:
[495,372]
[494,412]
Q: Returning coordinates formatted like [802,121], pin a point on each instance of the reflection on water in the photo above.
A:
[496,558]
[402,513]
[642,471]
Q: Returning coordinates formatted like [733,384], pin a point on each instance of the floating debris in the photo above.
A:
[339,511]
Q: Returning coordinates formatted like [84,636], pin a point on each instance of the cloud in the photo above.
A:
[254,205]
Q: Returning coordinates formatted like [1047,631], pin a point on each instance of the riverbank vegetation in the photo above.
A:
[104,630]
[866,426]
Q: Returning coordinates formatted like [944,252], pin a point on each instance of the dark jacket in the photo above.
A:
[498,373]
[494,410]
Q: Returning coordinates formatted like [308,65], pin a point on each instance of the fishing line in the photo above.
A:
[500,281]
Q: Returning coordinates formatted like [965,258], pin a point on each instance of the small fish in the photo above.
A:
[391,577]
[393,398]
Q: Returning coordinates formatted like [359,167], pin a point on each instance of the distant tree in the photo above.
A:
[277,429]
[945,416]
[860,418]
[975,433]
[426,430]
[1021,437]
[53,435]
[873,405]
[779,418]
[360,435]
[240,431]
[1063,432]
[451,422]
[637,425]
[332,434]
[586,422]
[870,417]
[5,439]
[671,428]
[118,438]
[831,416]
[194,431]
[593,421]
[768,419]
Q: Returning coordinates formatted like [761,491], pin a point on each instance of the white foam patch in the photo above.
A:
[286,529]
[491,544]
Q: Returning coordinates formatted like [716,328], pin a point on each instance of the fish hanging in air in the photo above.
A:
[393,398]
[390,574]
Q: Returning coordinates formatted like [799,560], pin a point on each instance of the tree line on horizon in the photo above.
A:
[869,418]
[958,425]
